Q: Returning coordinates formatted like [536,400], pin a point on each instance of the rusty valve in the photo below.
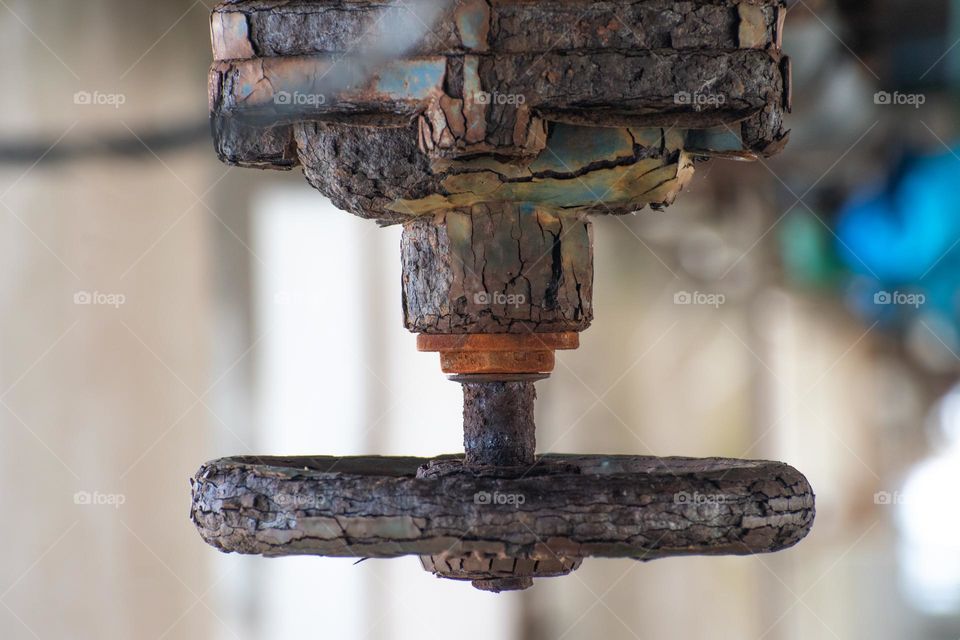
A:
[492,131]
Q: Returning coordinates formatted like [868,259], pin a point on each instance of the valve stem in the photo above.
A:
[498,424]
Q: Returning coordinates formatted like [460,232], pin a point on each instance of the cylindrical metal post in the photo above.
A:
[498,426]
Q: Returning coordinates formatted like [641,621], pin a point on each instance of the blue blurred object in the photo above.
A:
[903,239]
[899,232]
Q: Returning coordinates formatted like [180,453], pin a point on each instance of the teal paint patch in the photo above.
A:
[572,147]
[718,139]
[411,79]
[573,193]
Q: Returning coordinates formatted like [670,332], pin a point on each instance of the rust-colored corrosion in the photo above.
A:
[506,362]
[493,353]
[498,341]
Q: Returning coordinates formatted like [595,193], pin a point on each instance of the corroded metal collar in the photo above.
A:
[497,353]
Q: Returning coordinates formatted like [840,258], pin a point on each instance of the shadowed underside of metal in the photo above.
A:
[491,130]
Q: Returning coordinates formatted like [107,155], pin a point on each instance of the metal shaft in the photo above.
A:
[498,425]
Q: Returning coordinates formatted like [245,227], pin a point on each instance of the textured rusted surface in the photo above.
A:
[383,174]
[290,89]
[498,426]
[581,170]
[503,26]
[504,100]
[509,269]
[612,506]
[490,572]
[464,102]
[365,170]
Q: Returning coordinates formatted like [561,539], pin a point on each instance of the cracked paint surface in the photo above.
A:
[581,169]
[616,506]
[500,268]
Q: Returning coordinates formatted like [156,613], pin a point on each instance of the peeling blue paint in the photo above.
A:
[570,147]
[411,79]
[718,139]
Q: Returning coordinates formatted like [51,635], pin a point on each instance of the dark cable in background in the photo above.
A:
[111,145]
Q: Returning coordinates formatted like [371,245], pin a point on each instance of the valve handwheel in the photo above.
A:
[491,131]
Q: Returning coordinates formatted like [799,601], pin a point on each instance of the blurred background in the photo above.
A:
[158,309]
